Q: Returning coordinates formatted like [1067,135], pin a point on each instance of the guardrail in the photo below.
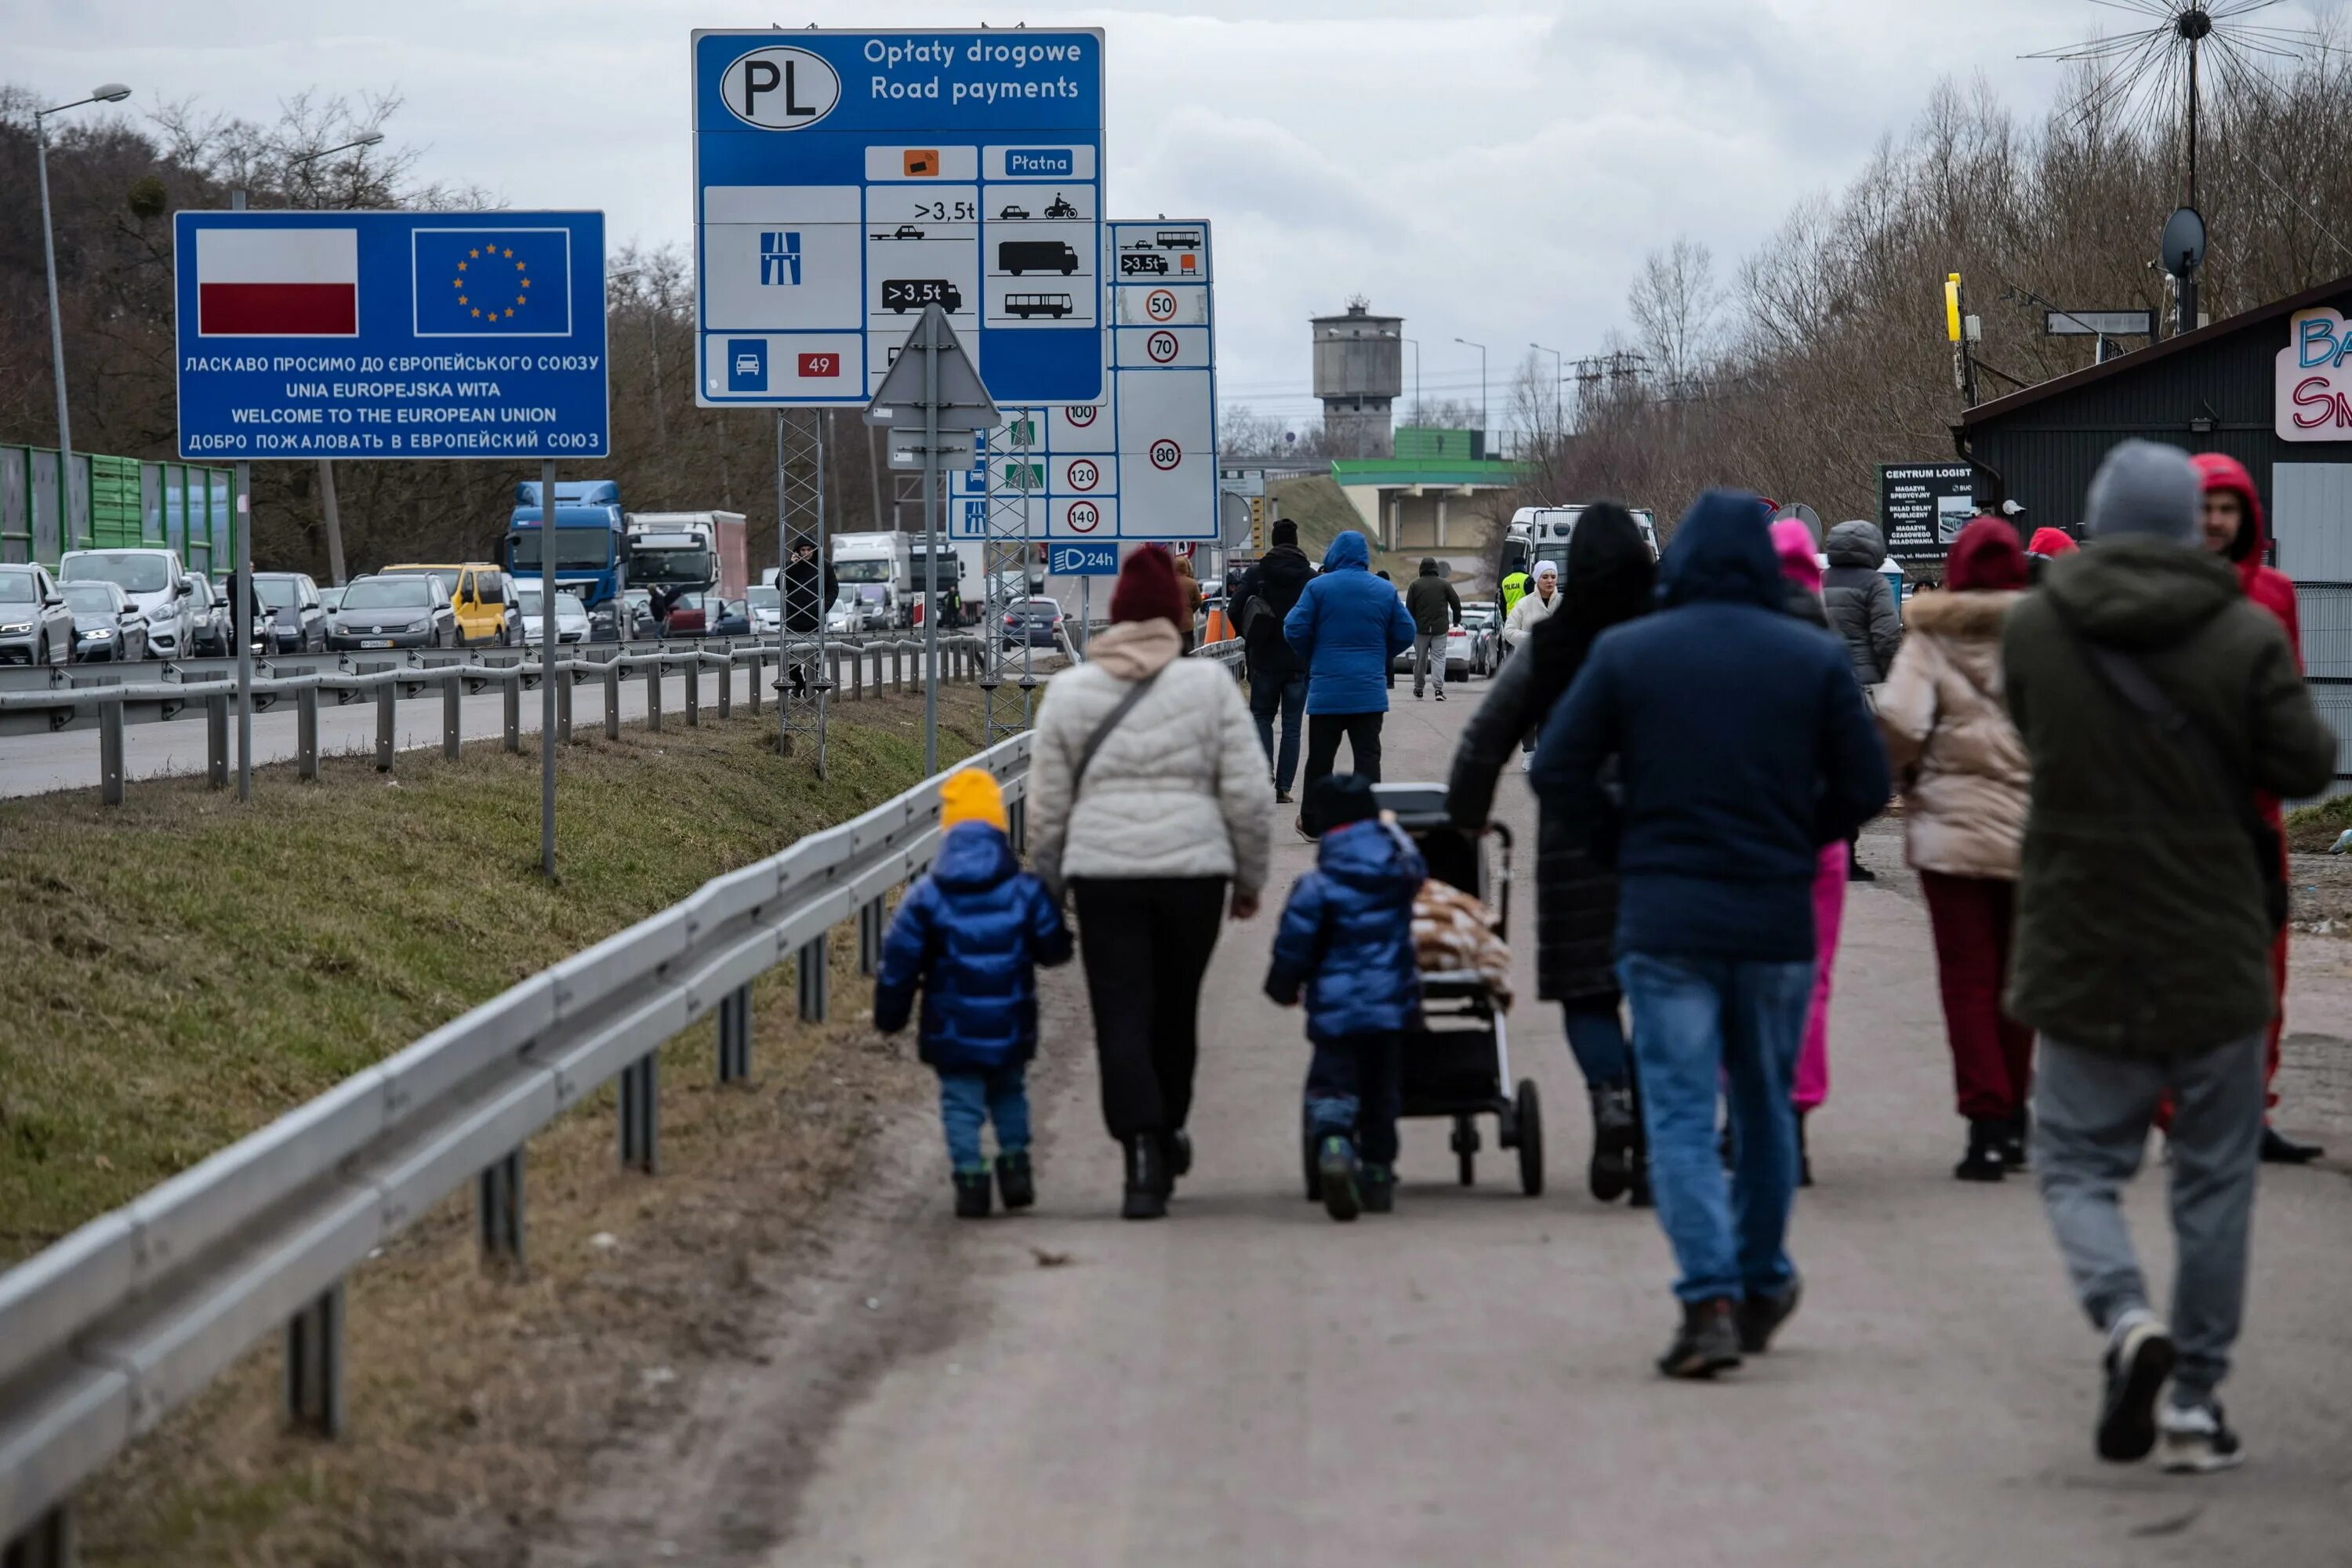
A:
[73,697]
[112,1327]
[105,1332]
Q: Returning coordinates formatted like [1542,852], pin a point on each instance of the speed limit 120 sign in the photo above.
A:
[1085,475]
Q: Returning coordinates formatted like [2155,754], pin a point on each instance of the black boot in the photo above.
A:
[1708,1342]
[2014,1138]
[1983,1161]
[1015,1181]
[1179,1154]
[2278,1149]
[1637,1159]
[1613,1140]
[1147,1179]
[971,1191]
[1805,1155]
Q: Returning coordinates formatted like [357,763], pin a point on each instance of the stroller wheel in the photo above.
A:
[1531,1120]
[1465,1149]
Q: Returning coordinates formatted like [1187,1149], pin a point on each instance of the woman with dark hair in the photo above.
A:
[1611,578]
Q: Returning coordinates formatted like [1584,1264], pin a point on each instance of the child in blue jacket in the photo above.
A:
[971,933]
[1346,937]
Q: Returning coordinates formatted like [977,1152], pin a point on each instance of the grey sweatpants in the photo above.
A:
[1428,650]
[2091,1117]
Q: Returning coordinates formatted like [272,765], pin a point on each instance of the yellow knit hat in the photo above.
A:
[971,795]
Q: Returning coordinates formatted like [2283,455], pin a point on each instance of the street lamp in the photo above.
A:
[1467,343]
[112,92]
[1558,375]
[328,507]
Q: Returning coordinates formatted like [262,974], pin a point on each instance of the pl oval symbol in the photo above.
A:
[779,88]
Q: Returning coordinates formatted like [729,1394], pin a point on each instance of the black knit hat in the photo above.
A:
[1338,799]
[1285,533]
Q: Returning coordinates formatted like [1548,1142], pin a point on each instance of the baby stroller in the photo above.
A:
[1457,1066]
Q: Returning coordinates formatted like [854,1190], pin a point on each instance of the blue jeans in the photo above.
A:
[1596,1037]
[1353,1088]
[1699,1022]
[968,1100]
[1287,695]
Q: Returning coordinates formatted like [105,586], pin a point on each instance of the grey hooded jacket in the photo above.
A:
[1860,602]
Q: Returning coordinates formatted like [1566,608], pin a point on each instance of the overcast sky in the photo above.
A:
[1490,171]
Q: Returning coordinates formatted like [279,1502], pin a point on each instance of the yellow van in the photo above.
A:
[478,592]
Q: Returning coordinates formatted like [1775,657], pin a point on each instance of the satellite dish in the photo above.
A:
[2182,248]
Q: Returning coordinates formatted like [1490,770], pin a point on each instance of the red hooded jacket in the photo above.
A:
[2266,585]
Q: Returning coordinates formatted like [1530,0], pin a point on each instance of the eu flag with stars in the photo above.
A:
[493,282]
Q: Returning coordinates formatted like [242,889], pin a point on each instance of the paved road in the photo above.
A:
[1469,1381]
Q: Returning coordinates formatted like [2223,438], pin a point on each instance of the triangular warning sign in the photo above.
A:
[964,404]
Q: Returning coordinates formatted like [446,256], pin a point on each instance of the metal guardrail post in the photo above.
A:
[641,1114]
[563,705]
[613,702]
[216,742]
[869,936]
[857,674]
[511,690]
[385,695]
[306,733]
[653,696]
[314,1365]
[735,1036]
[110,753]
[727,688]
[452,723]
[501,1210]
[48,1544]
[813,977]
[759,665]
[1017,821]
[694,692]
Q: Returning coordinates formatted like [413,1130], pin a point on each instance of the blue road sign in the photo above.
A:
[843,180]
[366,334]
[1083,560]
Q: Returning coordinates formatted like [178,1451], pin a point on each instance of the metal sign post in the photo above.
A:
[933,386]
[548,558]
[242,588]
[804,683]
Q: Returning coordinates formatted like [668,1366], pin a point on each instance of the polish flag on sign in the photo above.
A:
[277,282]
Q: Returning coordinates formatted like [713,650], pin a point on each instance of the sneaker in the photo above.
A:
[2198,1441]
[1759,1317]
[971,1194]
[1706,1343]
[1416,697]
[1378,1185]
[1441,694]
[2013,1139]
[1337,1166]
[2140,1354]
[1282,797]
[1013,1180]
[1984,1161]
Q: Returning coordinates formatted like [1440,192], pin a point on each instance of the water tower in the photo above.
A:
[1358,372]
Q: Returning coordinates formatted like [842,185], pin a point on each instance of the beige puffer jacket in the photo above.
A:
[1949,739]
[1179,789]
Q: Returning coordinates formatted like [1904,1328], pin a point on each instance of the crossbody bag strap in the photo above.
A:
[1110,721]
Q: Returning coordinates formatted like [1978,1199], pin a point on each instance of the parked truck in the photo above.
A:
[1539,533]
[590,539]
[672,553]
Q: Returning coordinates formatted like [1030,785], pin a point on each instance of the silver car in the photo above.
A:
[35,628]
[571,617]
[107,628]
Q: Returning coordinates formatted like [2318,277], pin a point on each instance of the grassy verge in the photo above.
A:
[179,971]
[2315,828]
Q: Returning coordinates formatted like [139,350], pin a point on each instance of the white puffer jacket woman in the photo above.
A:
[1175,806]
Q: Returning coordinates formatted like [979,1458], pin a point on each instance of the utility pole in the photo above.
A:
[112,92]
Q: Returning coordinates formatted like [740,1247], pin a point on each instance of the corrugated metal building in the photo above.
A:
[2272,387]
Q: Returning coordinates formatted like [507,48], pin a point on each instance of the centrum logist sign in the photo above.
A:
[332,334]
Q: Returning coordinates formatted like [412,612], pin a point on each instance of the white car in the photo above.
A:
[767,607]
[571,617]
[157,584]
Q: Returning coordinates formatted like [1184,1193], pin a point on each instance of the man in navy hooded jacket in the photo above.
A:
[1743,746]
[1346,628]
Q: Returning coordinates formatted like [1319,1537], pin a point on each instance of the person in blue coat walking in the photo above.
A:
[1348,625]
[971,933]
[1347,940]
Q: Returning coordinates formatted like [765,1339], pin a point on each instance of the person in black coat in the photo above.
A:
[1277,677]
[1612,578]
[809,589]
